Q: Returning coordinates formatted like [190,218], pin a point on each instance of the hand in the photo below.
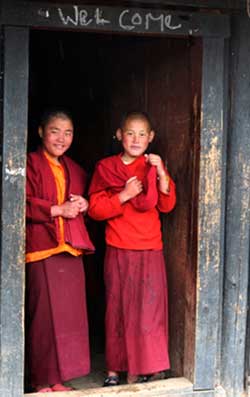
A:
[68,210]
[156,160]
[163,176]
[133,187]
[81,202]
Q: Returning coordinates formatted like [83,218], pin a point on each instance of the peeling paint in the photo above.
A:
[211,166]
[11,174]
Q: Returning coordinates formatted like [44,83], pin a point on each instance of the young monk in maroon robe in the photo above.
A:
[128,191]
[57,336]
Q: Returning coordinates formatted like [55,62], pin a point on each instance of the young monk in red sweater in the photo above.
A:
[57,335]
[128,191]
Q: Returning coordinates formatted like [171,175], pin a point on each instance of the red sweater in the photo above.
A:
[127,227]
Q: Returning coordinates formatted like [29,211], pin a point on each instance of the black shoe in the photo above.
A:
[112,380]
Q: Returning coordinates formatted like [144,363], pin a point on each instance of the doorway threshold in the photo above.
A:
[167,387]
[172,387]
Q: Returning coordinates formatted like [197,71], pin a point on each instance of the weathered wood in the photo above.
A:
[115,19]
[171,79]
[226,113]
[247,343]
[175,387]
[13,210]
[209,215]
[195,67]
[225,5]
[237,214]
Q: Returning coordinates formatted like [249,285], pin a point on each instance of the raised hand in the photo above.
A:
[155,159]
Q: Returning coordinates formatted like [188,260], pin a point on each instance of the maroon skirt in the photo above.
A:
[136,311]
[57,336]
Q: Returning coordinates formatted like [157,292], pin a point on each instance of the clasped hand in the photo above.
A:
[71,208]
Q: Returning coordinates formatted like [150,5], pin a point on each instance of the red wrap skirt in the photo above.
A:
[57,335]
[136,311]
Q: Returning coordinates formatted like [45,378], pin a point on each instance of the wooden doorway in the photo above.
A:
[99,77]
[213,29]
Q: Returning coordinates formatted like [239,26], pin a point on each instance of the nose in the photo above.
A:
[136,138]
[60,137]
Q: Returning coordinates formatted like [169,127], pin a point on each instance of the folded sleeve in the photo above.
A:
[37,208]
[104,206]
[167,201]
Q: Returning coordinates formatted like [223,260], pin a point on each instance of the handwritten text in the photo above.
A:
[127,19]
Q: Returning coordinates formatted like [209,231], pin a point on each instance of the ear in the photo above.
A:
[119,134]
[151,135]
[40,132]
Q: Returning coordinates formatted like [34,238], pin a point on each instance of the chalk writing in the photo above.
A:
[127,19]
[81,17]
[43,13]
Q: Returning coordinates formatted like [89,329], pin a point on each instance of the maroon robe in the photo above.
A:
[57,339]
[137,311]
[42,194]
[57,325]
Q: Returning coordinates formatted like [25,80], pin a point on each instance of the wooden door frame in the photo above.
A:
[17,21]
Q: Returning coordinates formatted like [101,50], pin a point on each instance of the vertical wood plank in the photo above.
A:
[13,210]
[226,107]
[170,110]
[195,66]
[237,214]
[210,214]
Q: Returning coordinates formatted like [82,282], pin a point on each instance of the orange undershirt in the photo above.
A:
[59,176]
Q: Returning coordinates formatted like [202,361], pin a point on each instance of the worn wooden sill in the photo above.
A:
[174,387]
[169,387]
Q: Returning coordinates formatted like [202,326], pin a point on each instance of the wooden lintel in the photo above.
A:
[226,5]
[128,20]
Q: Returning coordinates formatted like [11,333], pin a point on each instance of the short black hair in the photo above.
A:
[51,113]
[135,114]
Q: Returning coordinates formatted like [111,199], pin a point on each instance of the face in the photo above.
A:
[135,137]
[57,136]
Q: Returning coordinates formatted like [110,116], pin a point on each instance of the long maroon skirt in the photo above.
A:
[57,335]
[136,311]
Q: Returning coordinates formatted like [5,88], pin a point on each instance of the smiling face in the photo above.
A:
[135,136]
[57,136]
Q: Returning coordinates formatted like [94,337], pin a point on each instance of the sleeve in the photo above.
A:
[37,209]
[102,206]
[167,201]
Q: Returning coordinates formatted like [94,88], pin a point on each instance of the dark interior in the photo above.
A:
[99,77]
